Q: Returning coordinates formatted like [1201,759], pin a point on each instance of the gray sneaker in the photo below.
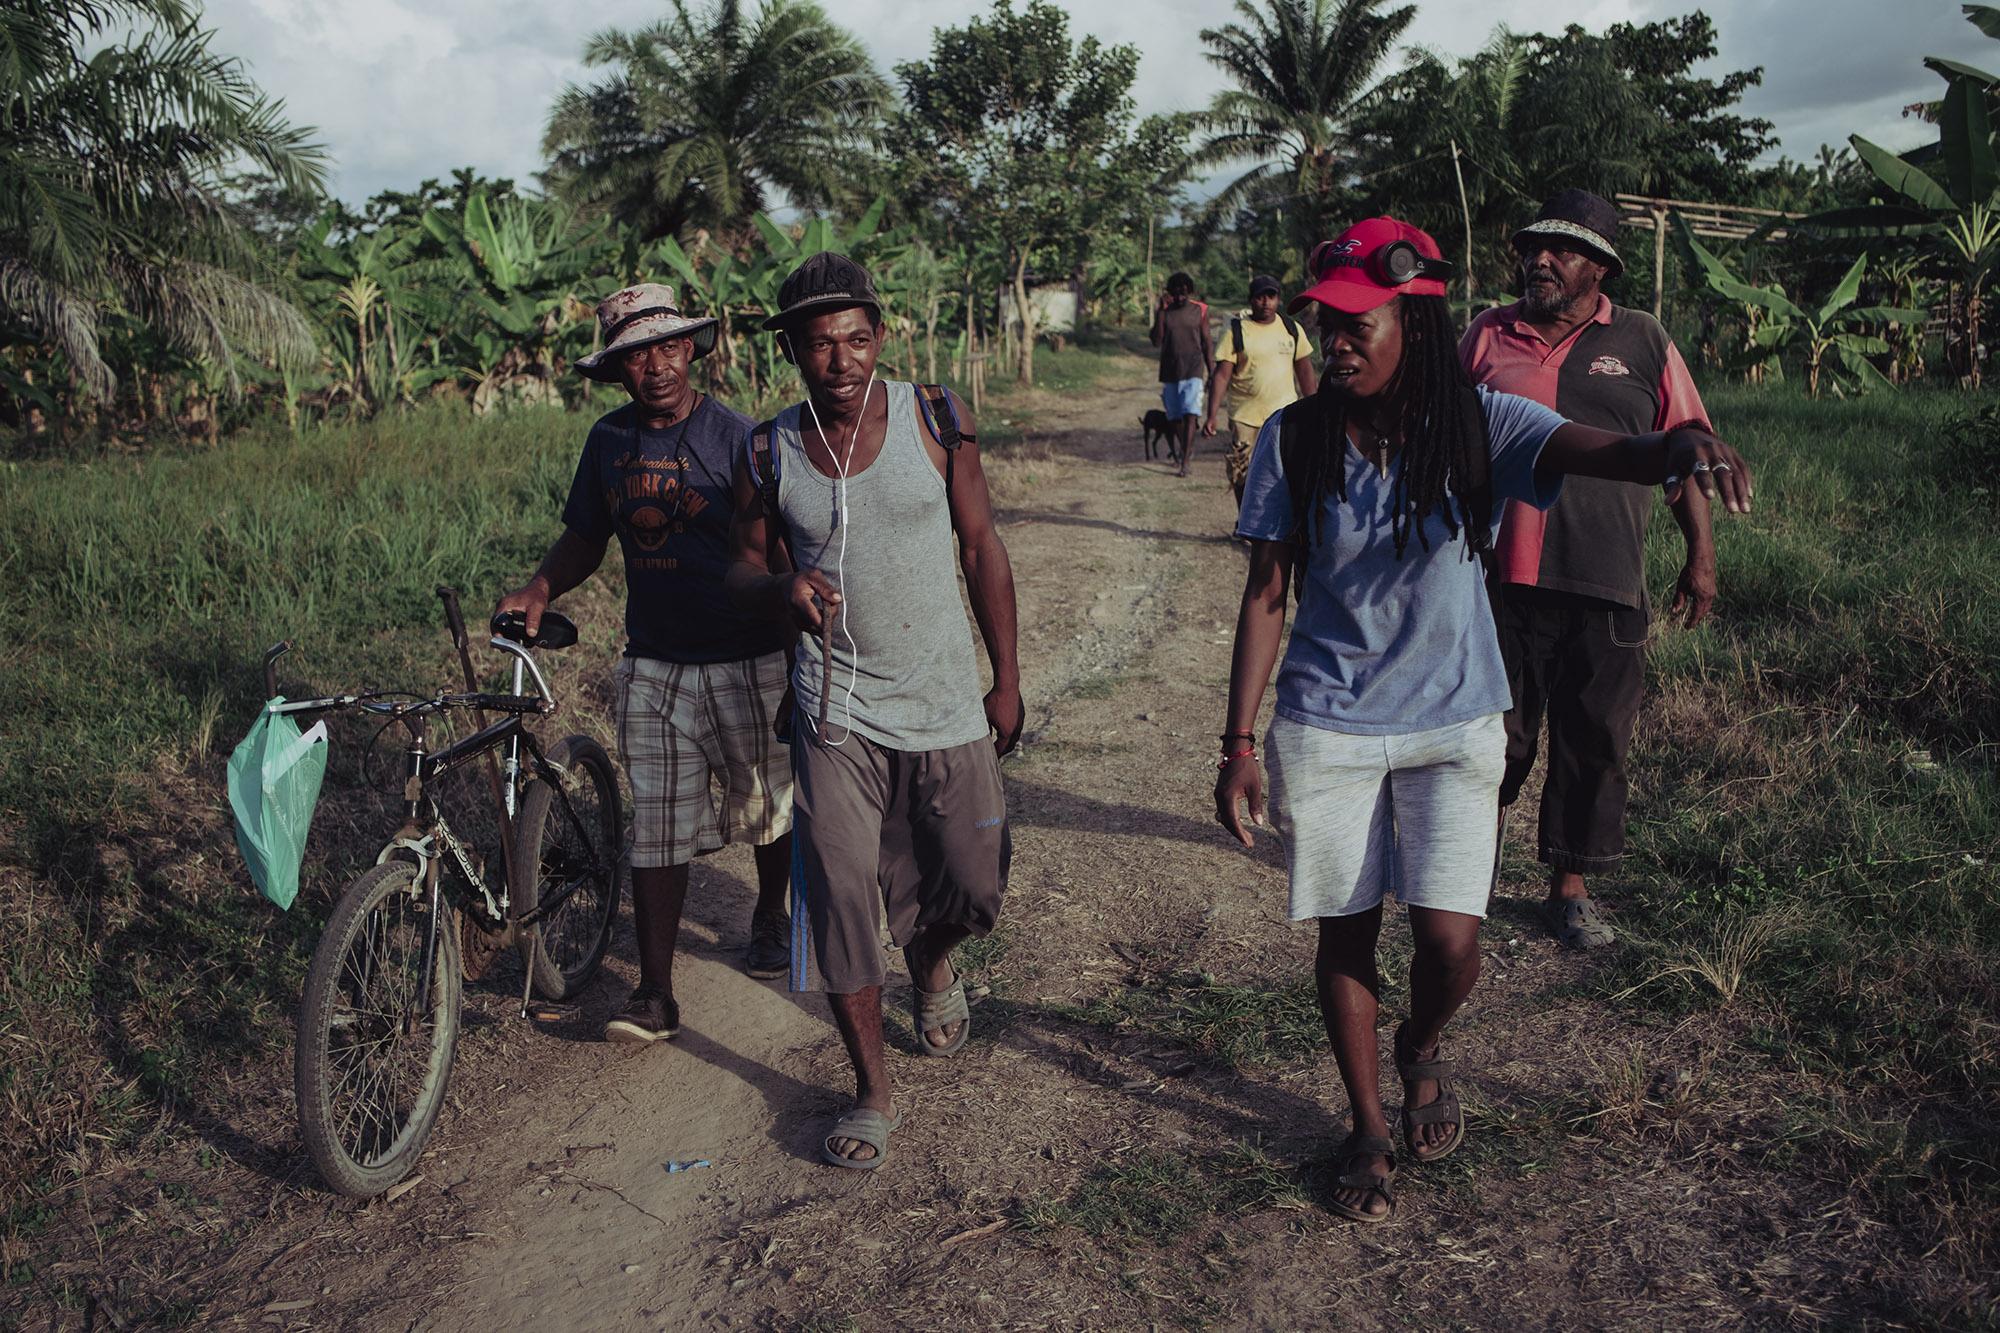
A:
[770,952]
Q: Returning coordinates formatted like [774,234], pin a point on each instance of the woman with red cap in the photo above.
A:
[1372,500]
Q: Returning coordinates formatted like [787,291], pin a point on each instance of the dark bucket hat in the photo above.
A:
[1264,283]
[826,281]
[1579,215]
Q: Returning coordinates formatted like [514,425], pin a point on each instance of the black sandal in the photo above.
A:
[1444,1110]
[1364,1145]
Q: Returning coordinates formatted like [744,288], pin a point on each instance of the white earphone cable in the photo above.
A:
[840,466]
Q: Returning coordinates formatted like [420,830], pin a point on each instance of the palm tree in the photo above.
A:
[111,188]
[1301,69]
[707,114]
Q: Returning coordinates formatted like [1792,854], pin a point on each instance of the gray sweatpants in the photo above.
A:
[921,835]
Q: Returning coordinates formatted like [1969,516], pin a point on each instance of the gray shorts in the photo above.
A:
[1364,816]
[921,836]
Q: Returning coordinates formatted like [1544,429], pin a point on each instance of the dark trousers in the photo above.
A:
[1577,663]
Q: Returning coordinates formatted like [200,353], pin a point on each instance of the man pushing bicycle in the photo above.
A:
[701,680]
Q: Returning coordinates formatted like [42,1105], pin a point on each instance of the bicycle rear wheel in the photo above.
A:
[373,1053]
[575,859]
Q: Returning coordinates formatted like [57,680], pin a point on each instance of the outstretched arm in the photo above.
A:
[989,580]
[1260,626]
[1676,457]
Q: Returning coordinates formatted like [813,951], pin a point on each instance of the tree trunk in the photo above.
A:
[395,353]
[930,337]
[1027,316]
[1465,210]
[1973,303]
[1961,333]
[1815,350]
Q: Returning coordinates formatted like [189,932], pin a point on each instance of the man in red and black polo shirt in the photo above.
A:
[1571,605]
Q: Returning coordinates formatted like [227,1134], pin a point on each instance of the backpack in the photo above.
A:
[940,418]
[1236,332]
[1302,426]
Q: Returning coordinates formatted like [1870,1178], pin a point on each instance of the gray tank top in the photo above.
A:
[902,643]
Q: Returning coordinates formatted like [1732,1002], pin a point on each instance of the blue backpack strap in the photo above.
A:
[941,419]
[764,467]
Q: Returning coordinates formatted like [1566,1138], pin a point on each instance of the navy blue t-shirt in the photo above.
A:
[667,495]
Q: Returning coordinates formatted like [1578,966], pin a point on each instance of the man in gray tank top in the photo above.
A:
[898,806]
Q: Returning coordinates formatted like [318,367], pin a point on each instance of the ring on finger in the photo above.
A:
[1702,467]
[1722,467]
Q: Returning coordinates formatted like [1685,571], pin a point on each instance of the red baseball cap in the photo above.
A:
[1346,281]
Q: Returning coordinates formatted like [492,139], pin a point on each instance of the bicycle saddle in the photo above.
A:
[557,631]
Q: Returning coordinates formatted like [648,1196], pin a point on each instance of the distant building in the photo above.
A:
[1057,303]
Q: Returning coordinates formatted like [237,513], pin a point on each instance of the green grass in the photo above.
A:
[1816,816]
[1230,1024]
[1150,1198]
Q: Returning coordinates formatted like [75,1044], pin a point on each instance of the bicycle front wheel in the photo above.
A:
[375,1041]
[567,853]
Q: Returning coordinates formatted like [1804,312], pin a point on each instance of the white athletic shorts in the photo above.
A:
[1367,816]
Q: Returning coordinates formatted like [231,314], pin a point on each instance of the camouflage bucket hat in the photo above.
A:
[636,317]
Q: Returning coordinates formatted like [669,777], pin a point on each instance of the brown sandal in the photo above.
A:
[1443,1110]
[1364,1145]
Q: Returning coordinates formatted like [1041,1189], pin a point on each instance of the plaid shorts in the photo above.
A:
[697,747]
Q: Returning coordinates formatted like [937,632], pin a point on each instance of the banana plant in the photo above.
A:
[1952,208]
[1835,326]
[524,266]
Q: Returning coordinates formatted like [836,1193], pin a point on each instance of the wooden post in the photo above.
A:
[1659,257]
[1466,210]
[1152,297]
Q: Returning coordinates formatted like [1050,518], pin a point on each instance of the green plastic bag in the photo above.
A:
[274,777]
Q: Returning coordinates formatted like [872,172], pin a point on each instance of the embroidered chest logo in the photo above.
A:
[1608,365]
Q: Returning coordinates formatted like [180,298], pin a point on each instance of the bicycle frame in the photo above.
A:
[424,825]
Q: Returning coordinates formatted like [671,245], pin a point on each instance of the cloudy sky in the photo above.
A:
[404,89]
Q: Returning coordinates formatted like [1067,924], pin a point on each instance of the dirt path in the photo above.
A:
[1136,1136]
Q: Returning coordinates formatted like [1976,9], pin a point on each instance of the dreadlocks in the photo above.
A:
[1439,442]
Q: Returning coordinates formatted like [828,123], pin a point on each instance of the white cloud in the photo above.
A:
[404,89]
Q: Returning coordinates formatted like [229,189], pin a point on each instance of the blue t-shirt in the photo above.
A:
[1382,646]
[668,496]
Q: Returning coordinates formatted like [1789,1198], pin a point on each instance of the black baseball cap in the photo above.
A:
[826,281]
[1264,283]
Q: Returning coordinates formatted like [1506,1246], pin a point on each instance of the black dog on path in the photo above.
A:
[1157,428]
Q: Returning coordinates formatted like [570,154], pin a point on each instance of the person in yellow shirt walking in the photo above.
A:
[1266,364]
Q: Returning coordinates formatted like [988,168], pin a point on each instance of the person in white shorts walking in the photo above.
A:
[1372,499]
[701,681]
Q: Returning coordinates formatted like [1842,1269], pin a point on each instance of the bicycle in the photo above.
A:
[378,1022]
